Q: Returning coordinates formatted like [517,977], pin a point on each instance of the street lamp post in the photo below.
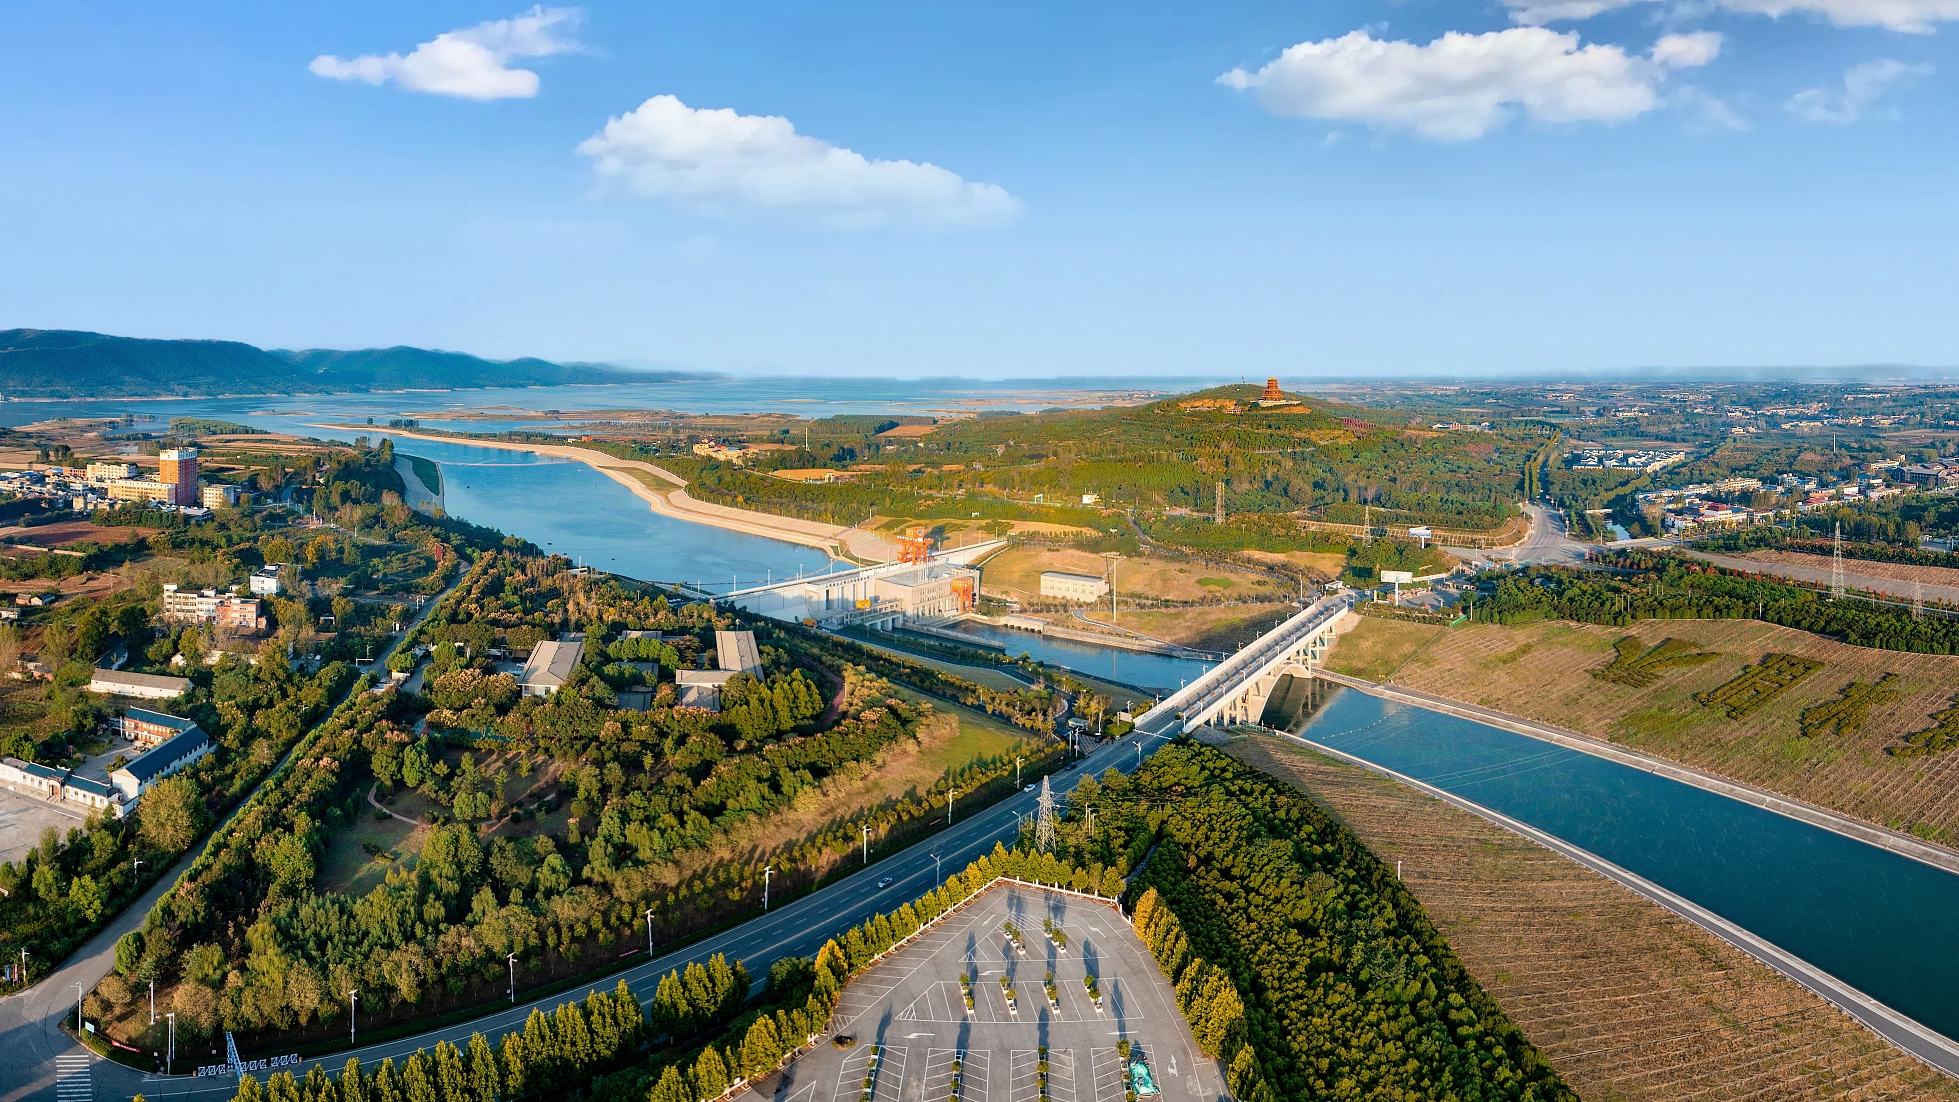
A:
[170,1052]
[867,844]
[79,993]
[152,1002]
[935,868]
[1017,764]
[513,979]
[649,931]
[353,997]
[950,795]
[766,874]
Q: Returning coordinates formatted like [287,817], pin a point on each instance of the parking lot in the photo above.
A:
[912,1008]
[24,815]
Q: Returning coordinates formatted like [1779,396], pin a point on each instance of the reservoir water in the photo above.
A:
[568,508]
[1878,921]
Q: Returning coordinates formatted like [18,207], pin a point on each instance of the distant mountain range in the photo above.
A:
[63,363]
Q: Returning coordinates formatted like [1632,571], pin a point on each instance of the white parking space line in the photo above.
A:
[1107,1065]
[938,1074]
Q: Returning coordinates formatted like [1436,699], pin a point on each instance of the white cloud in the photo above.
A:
[472,63]
[1461,86]
[1863,85]
[1687,51]
[1909,16]
[717,160]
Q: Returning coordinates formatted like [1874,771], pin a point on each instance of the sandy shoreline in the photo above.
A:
[839,542]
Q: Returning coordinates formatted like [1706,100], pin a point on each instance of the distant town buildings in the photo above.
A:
[1073,587]
[1618,459]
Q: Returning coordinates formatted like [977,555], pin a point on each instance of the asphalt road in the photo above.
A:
[34,1051]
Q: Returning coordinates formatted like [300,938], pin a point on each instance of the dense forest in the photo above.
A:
[1300,960]
[1329,460]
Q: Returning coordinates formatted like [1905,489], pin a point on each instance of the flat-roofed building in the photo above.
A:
[702,688]
[550,666]
[178,467]
[736,650]
[1073,587]
[160,761]
[103,470]
[220,494]
[142,489]
[265,581]
[144,686]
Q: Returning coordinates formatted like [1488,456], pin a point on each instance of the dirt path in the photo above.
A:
[842,542]
[1628,1000]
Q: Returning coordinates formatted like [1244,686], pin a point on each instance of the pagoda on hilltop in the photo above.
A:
[1273,396]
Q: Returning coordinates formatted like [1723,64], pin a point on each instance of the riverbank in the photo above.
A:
[666,493]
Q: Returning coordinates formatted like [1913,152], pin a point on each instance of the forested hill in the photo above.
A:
[56,363]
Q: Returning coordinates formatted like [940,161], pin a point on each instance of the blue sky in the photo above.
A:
[1325,190]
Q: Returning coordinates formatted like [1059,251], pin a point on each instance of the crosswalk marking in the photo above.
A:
[73,1081]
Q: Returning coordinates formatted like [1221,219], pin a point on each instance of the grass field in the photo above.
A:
[647,479]
[348,867]
[1543,672]
[1206,627]
[1017,573]
[1627,1000]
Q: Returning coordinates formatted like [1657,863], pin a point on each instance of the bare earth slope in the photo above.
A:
[1542,672]
[1628,1000]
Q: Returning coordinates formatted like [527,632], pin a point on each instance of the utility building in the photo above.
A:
[1073,587]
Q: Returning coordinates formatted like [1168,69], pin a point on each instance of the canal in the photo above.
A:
[1875,920]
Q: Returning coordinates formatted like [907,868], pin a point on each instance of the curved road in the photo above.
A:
[34,1051]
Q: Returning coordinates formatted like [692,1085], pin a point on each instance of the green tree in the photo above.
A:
[710,1074]
[170,814]
[129,951]
[671,1087]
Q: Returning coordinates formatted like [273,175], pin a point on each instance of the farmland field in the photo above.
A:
[1545,672]
[1628,1000]
[1868,568]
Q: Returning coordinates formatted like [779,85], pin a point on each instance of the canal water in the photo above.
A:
[1156,672]
[1878,921]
